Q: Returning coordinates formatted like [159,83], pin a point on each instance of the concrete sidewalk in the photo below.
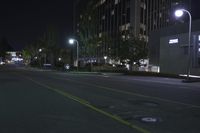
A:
[153,79]
[163,80]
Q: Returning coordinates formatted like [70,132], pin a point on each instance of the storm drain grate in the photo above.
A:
[148,119]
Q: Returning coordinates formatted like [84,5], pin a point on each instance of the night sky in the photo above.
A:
[23,21]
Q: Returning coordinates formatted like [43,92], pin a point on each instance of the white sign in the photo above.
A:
[173,41]
[199,38]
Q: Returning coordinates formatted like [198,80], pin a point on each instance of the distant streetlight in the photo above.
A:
[179,13]
[40,50]
[105,58]
[59,59]
[43,55]
[72,41]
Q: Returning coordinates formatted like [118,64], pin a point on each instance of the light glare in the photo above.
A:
[173,41]
[178,13]
[71,41]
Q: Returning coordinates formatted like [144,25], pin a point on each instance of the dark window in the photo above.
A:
[145,32]
[185,50]
[198,60]
[128,15]
[141,31]
[141,14]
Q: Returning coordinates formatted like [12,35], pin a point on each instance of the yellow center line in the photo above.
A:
[87,104]
[130,93]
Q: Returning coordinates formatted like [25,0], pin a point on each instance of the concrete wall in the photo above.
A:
[173,58]
[154,48]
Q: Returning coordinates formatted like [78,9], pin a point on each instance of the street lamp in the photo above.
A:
[105,58]
[179,13]
[40,50]
[72,41]
[59,59]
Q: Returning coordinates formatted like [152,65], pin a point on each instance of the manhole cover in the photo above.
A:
[149,119]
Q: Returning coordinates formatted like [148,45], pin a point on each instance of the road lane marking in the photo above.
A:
[181,86]
[130,93]
[87,104]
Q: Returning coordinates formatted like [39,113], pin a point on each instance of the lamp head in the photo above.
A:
[71,41]
[179,13]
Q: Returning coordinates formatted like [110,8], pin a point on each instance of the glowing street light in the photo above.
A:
[72,41]
[179,13]
[40,50]
[59,59]
[105,58]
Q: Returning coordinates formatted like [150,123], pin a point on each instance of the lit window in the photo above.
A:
[199,37]
[89,18]
[103,17]
[116,2]
[112,12]
[173,41]
[103,1]
[199,50]
[100,35]
[160,15]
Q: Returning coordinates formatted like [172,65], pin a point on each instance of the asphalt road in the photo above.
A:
[37,101]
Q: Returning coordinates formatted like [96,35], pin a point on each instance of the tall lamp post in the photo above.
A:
[40,55]
[72,41]
[105,58]
[179,13]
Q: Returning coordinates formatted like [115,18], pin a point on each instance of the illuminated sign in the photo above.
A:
[199,38]
[173,41]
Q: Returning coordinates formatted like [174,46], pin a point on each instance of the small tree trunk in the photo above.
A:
[91,65]
[131,65]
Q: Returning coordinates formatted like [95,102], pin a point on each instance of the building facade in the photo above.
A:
[169,49]
[116,17]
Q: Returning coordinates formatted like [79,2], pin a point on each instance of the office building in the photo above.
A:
[116,17]
[169,49]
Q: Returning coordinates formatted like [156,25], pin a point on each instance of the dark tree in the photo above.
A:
[132,48]
[4,47]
